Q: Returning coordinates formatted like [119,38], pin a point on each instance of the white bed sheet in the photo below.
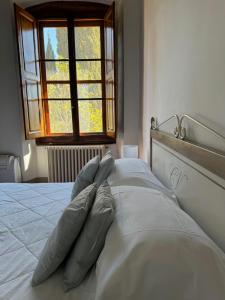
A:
[28,213]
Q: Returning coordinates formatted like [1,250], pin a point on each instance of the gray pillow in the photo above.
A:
[86,176]
[105,167]
[91,240]
[64,235]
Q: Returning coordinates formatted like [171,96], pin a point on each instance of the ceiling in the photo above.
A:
[26,3]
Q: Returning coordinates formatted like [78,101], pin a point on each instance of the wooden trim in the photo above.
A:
[73,77]
[56,99]
[54,60]
[61,9]
[209,158]
[75,140]
[53,23]
[58,81]
[27,75]
[44,81]
[102,28]
[88,23]
[89,81]
[90,99]
[88,59]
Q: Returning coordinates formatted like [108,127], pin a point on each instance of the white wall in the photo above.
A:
[184,63]
[132,69]
[33,159]
[11,121]
[10,118]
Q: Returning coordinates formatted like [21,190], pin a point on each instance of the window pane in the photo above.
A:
[88,42]
[61,91]
[28,46]
[32,90]
[88,70]
[110,111]
[34,116]
[86,91]
[60,116]
[90,116]
[57,70]
[56,43]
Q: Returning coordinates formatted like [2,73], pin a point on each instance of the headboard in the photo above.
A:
[194,172]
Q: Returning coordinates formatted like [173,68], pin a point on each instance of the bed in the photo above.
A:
[180,260]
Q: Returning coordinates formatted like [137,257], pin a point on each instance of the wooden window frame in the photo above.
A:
[70,25]
[70,14]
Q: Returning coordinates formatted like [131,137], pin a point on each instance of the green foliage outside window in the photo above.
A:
[90,111]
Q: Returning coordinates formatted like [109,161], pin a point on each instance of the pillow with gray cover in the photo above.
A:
[105,167]
[91,240]
[86,176]
[63,236]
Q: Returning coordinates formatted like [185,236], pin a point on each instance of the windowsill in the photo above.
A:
[73,140]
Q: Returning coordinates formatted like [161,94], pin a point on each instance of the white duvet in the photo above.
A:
[153,249]
[28,214]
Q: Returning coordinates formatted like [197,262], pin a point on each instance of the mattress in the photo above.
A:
[28,214]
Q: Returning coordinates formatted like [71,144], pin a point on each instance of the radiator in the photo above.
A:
[65,162]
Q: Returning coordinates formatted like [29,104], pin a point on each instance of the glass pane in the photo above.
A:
[86,91]
[34,116]
[32,90]
[60,116]
[57,70]
[28,46]
[61,91]
[109,90]
[90,116]
[110,111]
[56,42]
[88,42]
[89,70]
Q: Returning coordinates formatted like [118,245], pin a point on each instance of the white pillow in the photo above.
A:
[154,250]
[64,235]
[131,167]
[135,172]
[85,177]
[91,239]
[105,168]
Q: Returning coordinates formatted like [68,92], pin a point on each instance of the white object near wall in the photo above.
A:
[130,151]
[9,169]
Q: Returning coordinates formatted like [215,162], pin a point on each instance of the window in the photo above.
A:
[67,69]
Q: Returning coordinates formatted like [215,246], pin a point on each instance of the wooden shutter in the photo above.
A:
[27,36]
[110,71]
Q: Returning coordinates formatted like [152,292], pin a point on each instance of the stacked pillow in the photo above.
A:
[80,233]
[86,176]
[94,171]
[91,241]
[64,235]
